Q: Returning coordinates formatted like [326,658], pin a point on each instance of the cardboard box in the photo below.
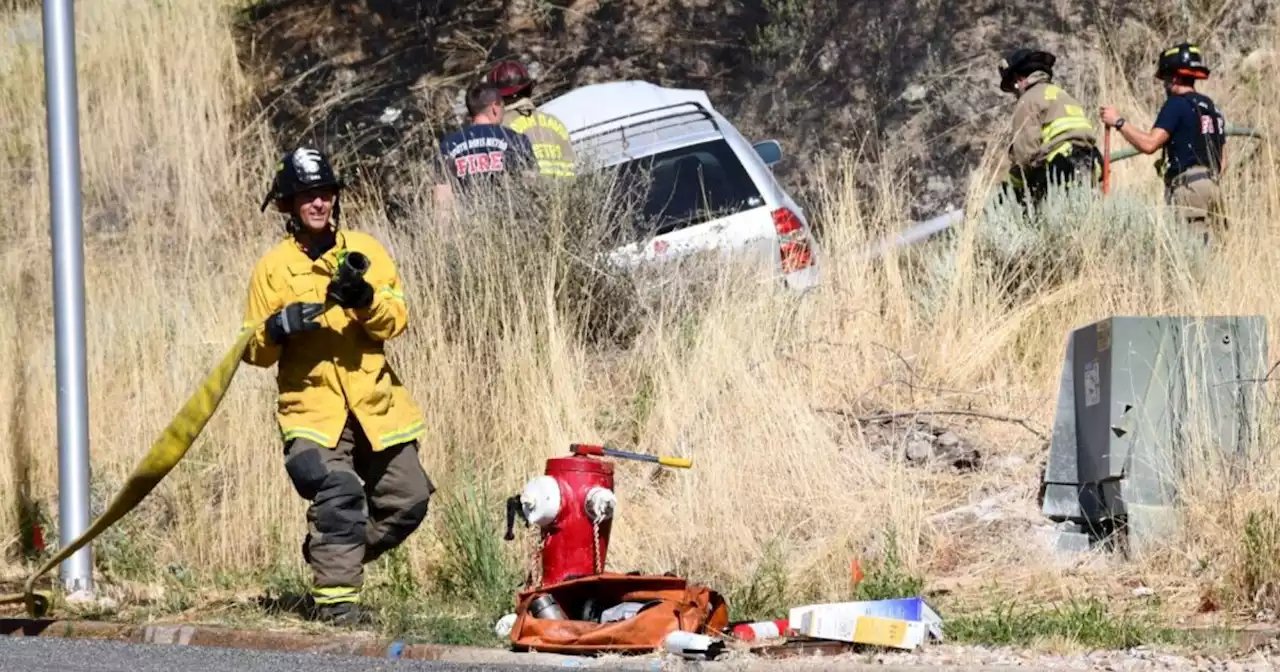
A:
[902,623]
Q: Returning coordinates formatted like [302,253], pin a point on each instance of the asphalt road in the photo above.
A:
[55,654]
[75,655]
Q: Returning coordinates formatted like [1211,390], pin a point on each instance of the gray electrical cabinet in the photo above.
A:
[1136,396]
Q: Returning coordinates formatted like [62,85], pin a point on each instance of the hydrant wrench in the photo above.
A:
[601,451]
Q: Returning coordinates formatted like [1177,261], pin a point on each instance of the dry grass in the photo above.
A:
[498,355]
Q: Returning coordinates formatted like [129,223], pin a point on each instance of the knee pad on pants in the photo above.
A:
[307,472]
[339,509]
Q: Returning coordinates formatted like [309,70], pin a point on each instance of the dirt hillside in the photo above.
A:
[913,81]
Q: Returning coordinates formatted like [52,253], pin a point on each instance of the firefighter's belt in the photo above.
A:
[1183,179]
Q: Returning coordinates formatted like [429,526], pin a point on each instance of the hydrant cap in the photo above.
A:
[540,501]
[601,504]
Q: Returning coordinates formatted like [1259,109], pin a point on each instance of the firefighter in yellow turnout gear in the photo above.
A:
[551,144]
[350,429]
[1053,140]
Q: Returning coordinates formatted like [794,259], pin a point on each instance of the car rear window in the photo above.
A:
[685,187]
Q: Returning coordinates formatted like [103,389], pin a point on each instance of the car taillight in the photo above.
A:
[793,245]
[785,221]
[795,256]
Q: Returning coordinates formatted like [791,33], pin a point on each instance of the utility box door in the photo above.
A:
[1138,397]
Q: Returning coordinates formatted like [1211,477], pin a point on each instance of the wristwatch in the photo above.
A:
[1119,123]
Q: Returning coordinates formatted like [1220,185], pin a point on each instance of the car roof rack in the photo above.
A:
[697,108]
[687,111]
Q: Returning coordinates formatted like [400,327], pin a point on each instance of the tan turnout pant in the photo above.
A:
[363,504]
[1197,198]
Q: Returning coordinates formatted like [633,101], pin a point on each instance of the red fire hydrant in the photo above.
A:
[573,504]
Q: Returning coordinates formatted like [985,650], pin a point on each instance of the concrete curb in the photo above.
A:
[370,646]
[264,640]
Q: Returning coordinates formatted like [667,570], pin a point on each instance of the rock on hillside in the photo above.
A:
[901,80]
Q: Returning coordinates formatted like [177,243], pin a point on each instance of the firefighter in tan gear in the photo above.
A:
[551,144]
[1053,140]
[350,429]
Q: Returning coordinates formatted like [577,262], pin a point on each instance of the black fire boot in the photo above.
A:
[344,614]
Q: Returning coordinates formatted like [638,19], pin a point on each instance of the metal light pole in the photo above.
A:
[61,100]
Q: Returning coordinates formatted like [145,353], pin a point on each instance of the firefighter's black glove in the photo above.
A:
[353,293]
[348,288]
[294,318]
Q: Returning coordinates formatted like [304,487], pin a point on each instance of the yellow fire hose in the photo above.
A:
[173,443]
[164,455]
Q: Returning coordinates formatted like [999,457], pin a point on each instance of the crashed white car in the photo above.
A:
[709,189]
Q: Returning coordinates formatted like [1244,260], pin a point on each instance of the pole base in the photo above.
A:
[81,596]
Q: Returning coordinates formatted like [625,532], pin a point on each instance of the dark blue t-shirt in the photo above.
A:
[1197,132]
[485,150]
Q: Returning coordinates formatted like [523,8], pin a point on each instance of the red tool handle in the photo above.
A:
[586,449]
[1106,161]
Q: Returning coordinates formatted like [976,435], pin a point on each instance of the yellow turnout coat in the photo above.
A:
[341,367]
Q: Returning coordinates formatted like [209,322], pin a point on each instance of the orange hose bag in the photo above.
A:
[680,606]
